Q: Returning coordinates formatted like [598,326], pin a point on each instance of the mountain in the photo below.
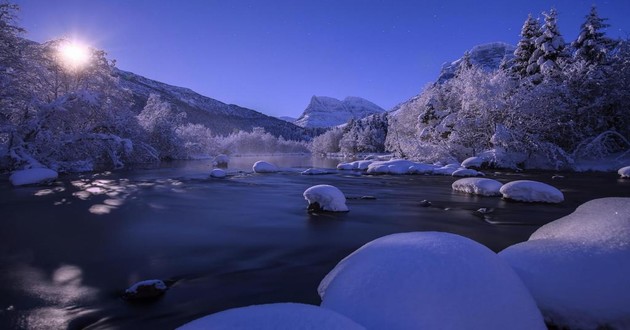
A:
[325,111]
[287,118]
[487,56]
[221,118]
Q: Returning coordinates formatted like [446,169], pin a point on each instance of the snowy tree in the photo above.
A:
[549,47]
[592,45]
[160,122]
[526,46]
[327,142]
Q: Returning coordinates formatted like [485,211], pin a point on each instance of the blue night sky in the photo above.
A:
[272,56]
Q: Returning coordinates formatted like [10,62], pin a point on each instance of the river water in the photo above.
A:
[68,250]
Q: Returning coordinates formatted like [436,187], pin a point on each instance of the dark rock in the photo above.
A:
[146,290]
[425,203]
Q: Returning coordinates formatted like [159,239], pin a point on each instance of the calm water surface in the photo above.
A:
[68,250]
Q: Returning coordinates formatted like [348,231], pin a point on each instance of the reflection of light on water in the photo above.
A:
[63,288]
[115,191]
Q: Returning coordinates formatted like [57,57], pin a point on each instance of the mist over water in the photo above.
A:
[70,249]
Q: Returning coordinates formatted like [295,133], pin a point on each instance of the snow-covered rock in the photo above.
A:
[264,167]
[429,280]
[473,162]
[445,170]
[316,171]
[531,191]
[356,165]
[577,267]
[32,176]
[325,111]
[478,186]
[218,173]
[148,289]
[221,160]
[280,316]
[420,168]
[624,172]
[463,172]
[395,166]
[326,198]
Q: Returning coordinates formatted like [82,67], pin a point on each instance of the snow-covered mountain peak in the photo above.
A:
[325,111]
[486,56]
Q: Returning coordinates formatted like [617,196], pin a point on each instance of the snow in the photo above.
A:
[473,162]
[624,172]
[218,173]
[429,280]
[466,172]
[395,166]
[287,316]
[325,111]
[328,197]
[264,167]
[356,165]
[577,267]
[158,284]
[531,191]
[445,170]
[32,176]
[316,171]
[478,186]
[420,168]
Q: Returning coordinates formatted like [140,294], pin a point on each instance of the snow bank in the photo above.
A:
[218,173]
[577,267]
[624,172]
[329,198]
[280,316]
[446,169]
[531,191]
[396,166]
[32,176]
[429,280]
[356,165]
[264,167]
[420,168]
[478,186]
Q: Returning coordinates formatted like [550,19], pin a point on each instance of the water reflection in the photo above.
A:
[63,288]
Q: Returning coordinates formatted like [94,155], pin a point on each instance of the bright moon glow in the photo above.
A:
[74,54]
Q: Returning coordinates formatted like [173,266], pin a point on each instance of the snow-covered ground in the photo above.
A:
[578,267]
[32,176]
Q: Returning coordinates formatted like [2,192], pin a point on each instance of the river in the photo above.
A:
[68,250]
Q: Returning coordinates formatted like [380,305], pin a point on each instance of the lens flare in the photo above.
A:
[74,54]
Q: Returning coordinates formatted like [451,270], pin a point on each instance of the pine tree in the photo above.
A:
[549,47]
[526,46]
[592,44]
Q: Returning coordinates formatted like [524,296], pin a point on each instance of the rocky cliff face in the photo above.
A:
[325,111]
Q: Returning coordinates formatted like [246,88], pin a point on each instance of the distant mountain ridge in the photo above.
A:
[221,118]
[486,56]
[324,111]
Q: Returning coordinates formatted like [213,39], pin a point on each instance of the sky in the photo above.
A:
[274,55]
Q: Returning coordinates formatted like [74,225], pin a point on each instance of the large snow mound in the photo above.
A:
[429,280]
[531,191]
[577,267]
[278,316]
[264,167]
[462,172]
[478,186]
[624,172]
[32,176]
[601,221]
[473,162]
[328,197]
